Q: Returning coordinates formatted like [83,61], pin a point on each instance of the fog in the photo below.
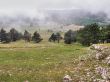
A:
[31,7]
[53,13]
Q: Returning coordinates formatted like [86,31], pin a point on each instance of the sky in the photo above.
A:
[31,7]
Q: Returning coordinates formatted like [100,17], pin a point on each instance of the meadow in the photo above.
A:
[42,62]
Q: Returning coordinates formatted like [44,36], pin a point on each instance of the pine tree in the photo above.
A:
[4,37]
[69,37]
[90,34]
[15,35]
[27,36]
[36,37]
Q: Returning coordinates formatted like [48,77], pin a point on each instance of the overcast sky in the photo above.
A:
[31,6]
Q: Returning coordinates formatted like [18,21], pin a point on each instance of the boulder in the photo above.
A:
[67,78]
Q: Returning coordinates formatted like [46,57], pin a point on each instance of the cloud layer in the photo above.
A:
[31,6]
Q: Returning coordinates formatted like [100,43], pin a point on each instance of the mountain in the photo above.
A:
[80,17]
[53,19]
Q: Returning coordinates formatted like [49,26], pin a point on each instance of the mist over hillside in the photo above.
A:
[77,16]
[52,19]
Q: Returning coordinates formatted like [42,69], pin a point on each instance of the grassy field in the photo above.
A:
[44,62]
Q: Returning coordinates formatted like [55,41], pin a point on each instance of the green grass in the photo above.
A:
[43,62]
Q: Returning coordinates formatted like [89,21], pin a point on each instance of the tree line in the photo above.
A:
[13,35]
[90,34]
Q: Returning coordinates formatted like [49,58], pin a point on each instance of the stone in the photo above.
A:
[67,78]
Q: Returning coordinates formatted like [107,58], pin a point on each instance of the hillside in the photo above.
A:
[51,62]
[53,19]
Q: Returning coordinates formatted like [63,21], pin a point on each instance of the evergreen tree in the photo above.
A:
[52,37]
[55,37]
[89,34]
[36,37]
[70,37]
[107,33]
[4,37]
[15,35]
[27,36]
[8,38]
[58,37]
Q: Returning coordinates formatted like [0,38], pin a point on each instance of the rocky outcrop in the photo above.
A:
[102,54]
[93,67]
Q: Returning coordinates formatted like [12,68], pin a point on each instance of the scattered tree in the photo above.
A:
[70,37]
[55,37]
[36,37]
[4,37]
[15,35]
[27,36]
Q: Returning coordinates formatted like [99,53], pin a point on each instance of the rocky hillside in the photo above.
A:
[94,67]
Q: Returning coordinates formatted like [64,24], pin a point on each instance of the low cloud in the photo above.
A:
[32,6]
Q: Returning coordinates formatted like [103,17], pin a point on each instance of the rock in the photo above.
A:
[103,72]
[98,47]
[26,81]
[108,63]
[99,56]
[107,60]
[47,58]
[102,81]
[108,80]
[67,78]
[100,51]
[95,47]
